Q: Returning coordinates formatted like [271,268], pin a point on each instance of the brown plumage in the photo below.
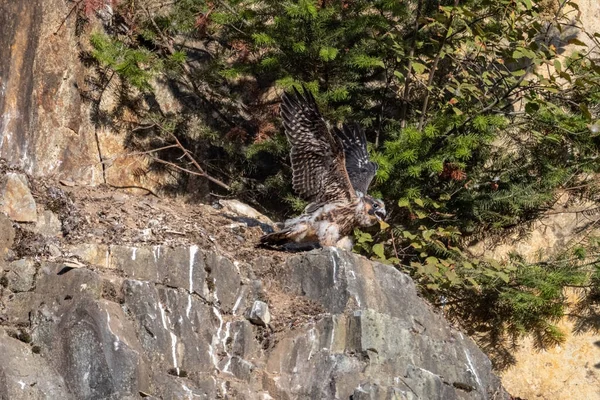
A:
[331,170]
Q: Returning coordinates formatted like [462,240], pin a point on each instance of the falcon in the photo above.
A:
[331,169]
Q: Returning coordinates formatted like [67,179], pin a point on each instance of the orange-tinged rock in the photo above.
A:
[16,199]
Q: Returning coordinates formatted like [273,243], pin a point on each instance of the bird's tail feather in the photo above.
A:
[283,241]
[276,238]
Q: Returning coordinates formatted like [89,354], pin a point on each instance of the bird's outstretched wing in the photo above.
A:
[360,170]
[317,156]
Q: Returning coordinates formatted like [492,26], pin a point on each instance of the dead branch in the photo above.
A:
[202,174]
[68,15]
[189,156]
[434,68]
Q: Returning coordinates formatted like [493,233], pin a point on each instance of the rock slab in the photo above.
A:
[17,201]
[171,323]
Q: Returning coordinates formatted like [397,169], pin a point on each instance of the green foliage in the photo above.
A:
[479,121]
[136,66]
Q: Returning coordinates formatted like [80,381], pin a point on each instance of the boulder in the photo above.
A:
[259,313]
[20,275]
[16,199]
[48,225]
[25,375]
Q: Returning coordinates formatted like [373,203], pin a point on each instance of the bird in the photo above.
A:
[332,171]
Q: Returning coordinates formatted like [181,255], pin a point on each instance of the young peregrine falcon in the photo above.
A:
[331,170]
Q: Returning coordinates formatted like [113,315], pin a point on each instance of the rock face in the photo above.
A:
[44,125]
[170,323]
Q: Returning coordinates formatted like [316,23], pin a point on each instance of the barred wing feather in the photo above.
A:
[318,162]
[360,169]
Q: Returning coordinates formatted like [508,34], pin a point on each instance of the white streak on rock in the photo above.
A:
[335,266]
[22,384]
[216,339]
[193,251]
[117,342]
[228,363]
[312,339]
[156,253]
[213,357]
[226,367]
[471,367]
[133,251]
[332,332]
[174,350]
[164,319]
[224,344]
[224,340]
[237,303]
[220,318]
[162,315]
[190,394]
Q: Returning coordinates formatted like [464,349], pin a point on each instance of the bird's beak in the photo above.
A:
[380,214]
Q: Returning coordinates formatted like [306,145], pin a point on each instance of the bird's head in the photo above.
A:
[375,209]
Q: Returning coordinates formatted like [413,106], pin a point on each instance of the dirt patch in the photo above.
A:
[28,244]
[290,311]
[106,215]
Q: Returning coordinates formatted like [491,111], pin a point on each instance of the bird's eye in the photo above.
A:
[375,205]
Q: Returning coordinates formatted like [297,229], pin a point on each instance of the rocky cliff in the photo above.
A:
[44,124]
[104,295]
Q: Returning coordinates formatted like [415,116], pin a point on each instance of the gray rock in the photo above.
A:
[16,199]
[94,346]
[259,313]
[398,342]
[54,250]
[27,376]
[48,225]
[7,235]
[226,283]
[238,208]
[21,275]
[165,322]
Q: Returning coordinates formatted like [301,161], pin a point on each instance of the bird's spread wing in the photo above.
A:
[360,170]
[317,156]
